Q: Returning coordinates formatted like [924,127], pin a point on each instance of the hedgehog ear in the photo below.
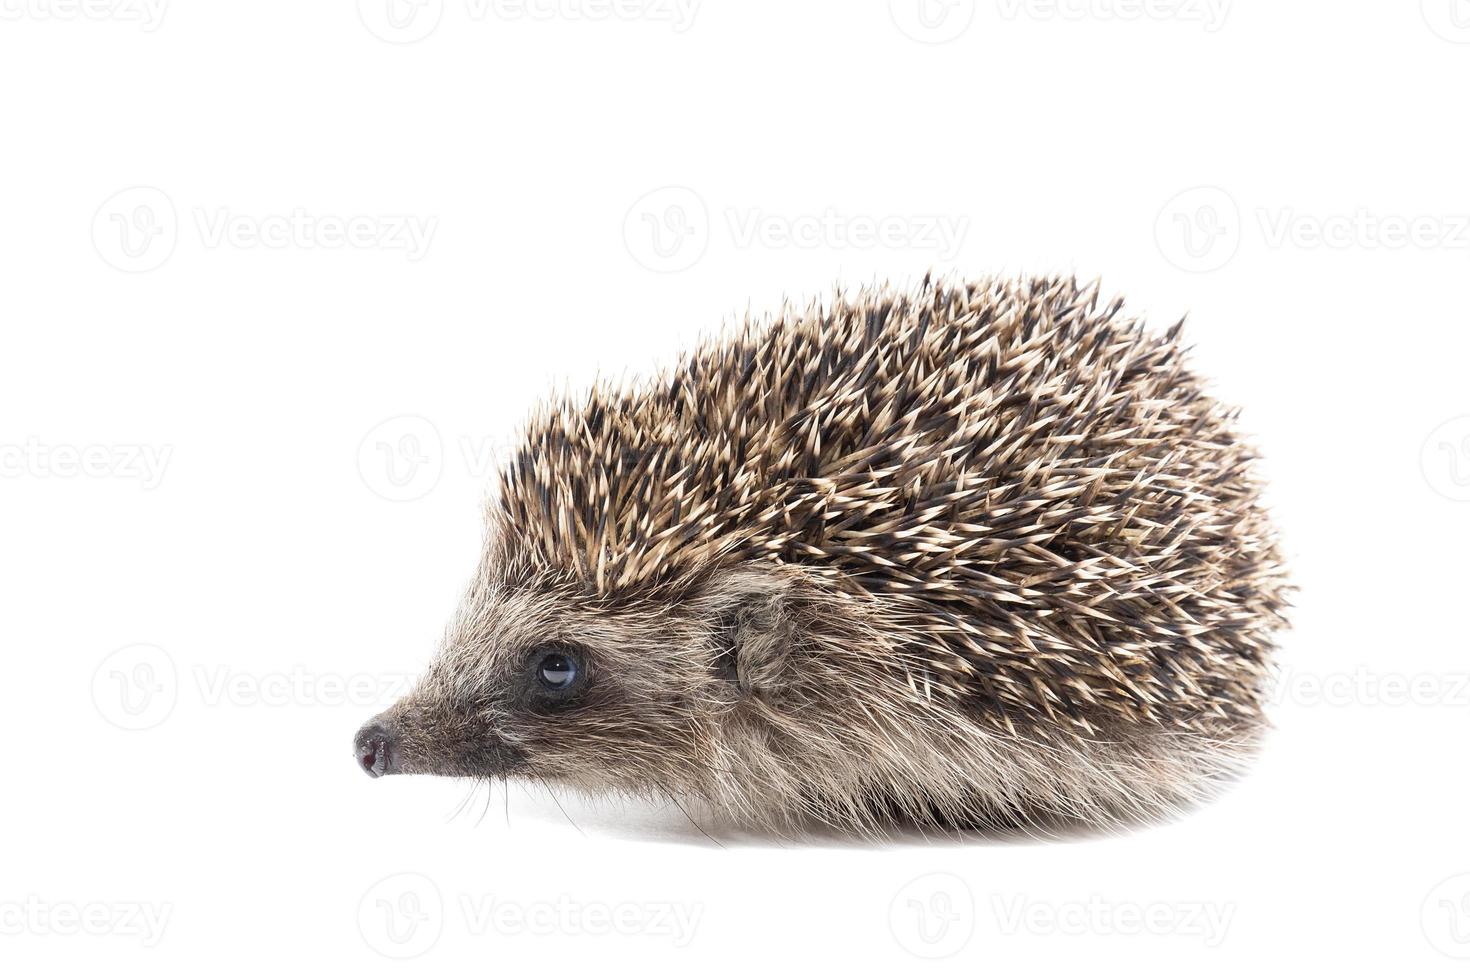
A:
[754,638]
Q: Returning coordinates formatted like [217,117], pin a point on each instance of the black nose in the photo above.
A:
[375,749]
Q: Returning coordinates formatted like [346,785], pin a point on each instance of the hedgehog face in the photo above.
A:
[538,679]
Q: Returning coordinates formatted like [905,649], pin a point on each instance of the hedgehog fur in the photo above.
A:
[973,554]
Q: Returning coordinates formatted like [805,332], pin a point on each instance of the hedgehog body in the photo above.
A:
[973,554]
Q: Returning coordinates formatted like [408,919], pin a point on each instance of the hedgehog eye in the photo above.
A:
[556,671]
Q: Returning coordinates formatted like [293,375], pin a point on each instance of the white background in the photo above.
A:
[214,412]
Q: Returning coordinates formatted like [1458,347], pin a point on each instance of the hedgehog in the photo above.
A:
[970,554]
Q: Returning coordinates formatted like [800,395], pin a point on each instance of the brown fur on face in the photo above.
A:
[977,554]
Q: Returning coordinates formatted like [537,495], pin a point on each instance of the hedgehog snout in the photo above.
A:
[376,747]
